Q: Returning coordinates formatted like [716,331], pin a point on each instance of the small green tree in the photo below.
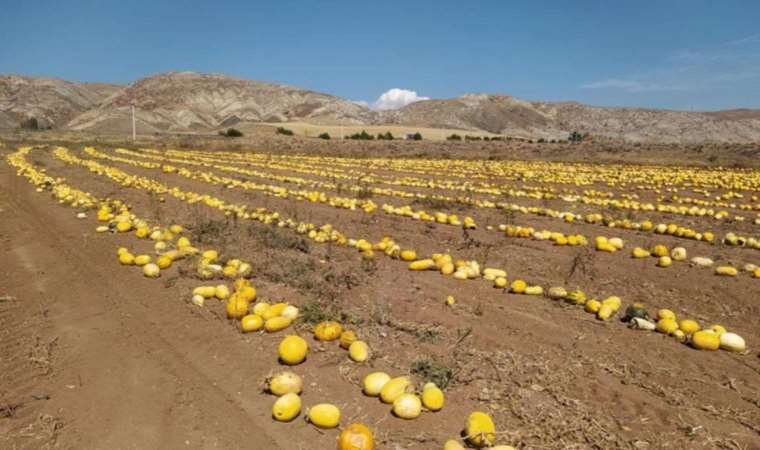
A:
[231,132]
[417,136]
[363,136]
[31,124]
[454,137]
[575,137]
[284,131]
[324,136]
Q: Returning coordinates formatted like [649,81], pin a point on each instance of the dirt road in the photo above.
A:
[89,362]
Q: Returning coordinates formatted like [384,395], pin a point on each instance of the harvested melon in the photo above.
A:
[284,383]
[324,415]
[480,429]
[407,406]
[356,437]
[292,350]
[374,382]
[287,407]
[276,324]
[328,331]
[705,340]
[358,351]
[394,388]
[347,338]
[251,322]
[432,397]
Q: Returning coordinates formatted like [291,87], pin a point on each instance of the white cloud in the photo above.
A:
[625,85]
[396,98]
[709,68]
[752,39]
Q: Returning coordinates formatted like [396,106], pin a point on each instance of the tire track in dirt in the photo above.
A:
[124,373]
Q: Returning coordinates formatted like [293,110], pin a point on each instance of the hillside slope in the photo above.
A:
[182,101]
[51,101]
[193,102]
[515,117]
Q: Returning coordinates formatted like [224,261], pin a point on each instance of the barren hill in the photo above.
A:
[182,101]
[511,116]
[51,101]
[188,101]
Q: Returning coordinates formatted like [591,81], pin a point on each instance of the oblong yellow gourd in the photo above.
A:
[534,290]
[727,271]
[274,311]
[324,415]
[408,255]
[205,291]
[666,314]
[287,407]
[705,340]
[422,264]
[407,406]
[689,326]
[432,397]
[732,342]
[141,260]
[666,325]
[394,388]
[284,383]
[251,322]
[374,382]
[277,323]
[358,351]
[126,259]
[480,429]
[222,292]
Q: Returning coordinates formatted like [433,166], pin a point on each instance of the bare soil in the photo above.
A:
[96,356]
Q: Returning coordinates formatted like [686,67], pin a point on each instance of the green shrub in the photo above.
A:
[231,132]
[31,124]
[454,137]
[575,137]
[325,136]
[363,136]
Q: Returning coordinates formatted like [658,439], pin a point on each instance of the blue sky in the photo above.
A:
[689,55]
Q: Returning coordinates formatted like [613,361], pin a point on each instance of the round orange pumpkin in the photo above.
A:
[356,437]
[328,331]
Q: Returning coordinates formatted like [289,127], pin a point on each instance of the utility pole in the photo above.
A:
[134,129]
